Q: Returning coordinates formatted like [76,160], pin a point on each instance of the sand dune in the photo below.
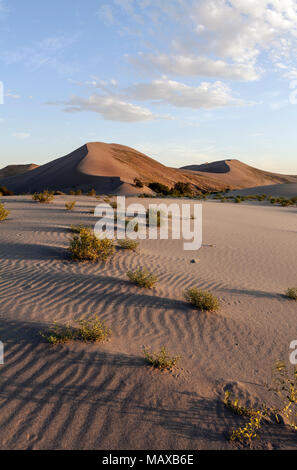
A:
[12,170]
[112,168]
[84,396]
[285,190]
[236,174]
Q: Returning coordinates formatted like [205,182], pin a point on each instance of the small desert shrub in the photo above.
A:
[78,192]
[128,244]
[87,247]
[70,205]
[5,192]
[60,334]
[91,330]
[3,212]
[45,197]
[138,183]
[202,299]
[114,205]
[292,293]
[142,277]
[92,193]
[162,359]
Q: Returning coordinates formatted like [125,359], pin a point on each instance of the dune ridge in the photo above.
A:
[112,168]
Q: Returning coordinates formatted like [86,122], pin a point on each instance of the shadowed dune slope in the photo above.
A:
[12,170]
[112,168]
[277,190]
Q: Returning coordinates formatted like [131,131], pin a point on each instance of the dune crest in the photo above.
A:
[112,168]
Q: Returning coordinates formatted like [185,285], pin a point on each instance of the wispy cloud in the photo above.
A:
[164,91]
[111,108]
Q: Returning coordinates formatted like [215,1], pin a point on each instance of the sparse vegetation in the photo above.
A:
[5,192]
[138,183]
[142,277]
[3,212]
[45,197]
[90,330]
[162,359]
[202,300]
[87,247]
[93,330]
[292,293]
[285,386]
[92,193]
[70,205]
[128,244]
[78,228]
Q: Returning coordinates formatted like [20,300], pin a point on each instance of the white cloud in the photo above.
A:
[111,108]
[21,135]
[225,39]
[206,95]
[182,65]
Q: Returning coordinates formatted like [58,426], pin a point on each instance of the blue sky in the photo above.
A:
[185,81]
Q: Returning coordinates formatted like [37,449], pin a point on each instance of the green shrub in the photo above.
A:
[3,212]
[128,244]
[162,359]
[202,300]
[292,293]
[142,277]
[87,247]
[45,197]
[91,330]
[78,192]
[60,334]
[160,188]
[70,205]
[92,193]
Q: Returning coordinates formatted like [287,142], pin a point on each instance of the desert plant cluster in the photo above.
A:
[3,212]
[284,385]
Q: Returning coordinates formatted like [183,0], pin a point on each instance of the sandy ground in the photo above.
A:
[83,396]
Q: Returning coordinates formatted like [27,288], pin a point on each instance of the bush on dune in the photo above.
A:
[202,300]
[5,192]
[87,247]
[128,244]
[70,205]
[292,293]
[3,212]
[142,278]
[90,330]
[45,197]
[162,359]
